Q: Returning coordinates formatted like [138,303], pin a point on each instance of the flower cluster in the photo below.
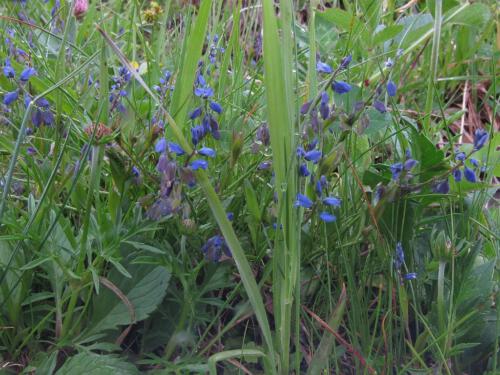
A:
[402,169]
[118,89]
[399,262]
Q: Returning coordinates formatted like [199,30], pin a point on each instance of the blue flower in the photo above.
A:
[409,164]
[305,107]
[230,216]
[469,174]
[175,148]
[324,110]
[410,276]
[480,138]
[10,97]
[199,164]
[391,88]
[8,70]
[474,162]
[442,187]
[161,145]
[319,187]
[204,92]
[389,63]
[215,247]
[400,256]
[27,73]
[323,67]
[379,106]
[345,62]
[313,156]
[207,151]
[264,165]
[457,175]
[195,113]
[197,134]
[303,201]
[460,156]
[341,87]
[216,107]
[396,170]
[303,171]
[332,201]
[327,217]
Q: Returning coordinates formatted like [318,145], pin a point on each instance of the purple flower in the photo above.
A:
[409,164]
[305,108]
[303,171]
[264,165]
[319,187]
[457,175]
[27,73]
[379,106]
[263,135]
[396,170]
[303,201]
[195,113]
[216,107]
[8,70]
[480,138]
[215,247]
[10,97]
[230,216]
[197,134]
[313,156]
[474,162]
[204,92]
[324,110]
[391,88]
[199,164]
[469,174]
[31,151]
[410,276]
[207,151]
[345,62]
[460,156]
[341,87]
[400,256]
[175,148]
[332,201]
[442,187]
[323,67]
[389,63]
[327,217]
[161,145]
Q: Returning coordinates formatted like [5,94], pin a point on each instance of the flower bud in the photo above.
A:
[81,7]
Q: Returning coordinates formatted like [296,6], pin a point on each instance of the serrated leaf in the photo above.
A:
[145,290]
[95,364]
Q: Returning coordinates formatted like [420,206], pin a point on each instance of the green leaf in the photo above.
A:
[475,15]
[145,290]
[387,33]
[252,203]
[95,364]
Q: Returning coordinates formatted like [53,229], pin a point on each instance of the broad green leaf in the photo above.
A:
[475,15]
[95,364]
[387,33]
[145,290]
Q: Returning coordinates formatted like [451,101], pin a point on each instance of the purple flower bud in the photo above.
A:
[207,151]
[303,171]
[474,162]
[442,187]
[319,187]
[480,138]
[204,92]
[313,156]
[341,87]
[161,145]
[460,156]
[303,201]
[457,175]
[469,175]
[300,152]
[199,164]
[264,165]
[175,148]
[410,276]
[409,164]
[10,97]
[216,107]
[379,106]
[323,68]
[263,135]
[345,62]
[389,63]
[327,217]
[9,71]
[31,151]
[195,113]
[400,256]
[230,216]
[396,170]
[391,88]
[27,73]
[332,201]
[305,108]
